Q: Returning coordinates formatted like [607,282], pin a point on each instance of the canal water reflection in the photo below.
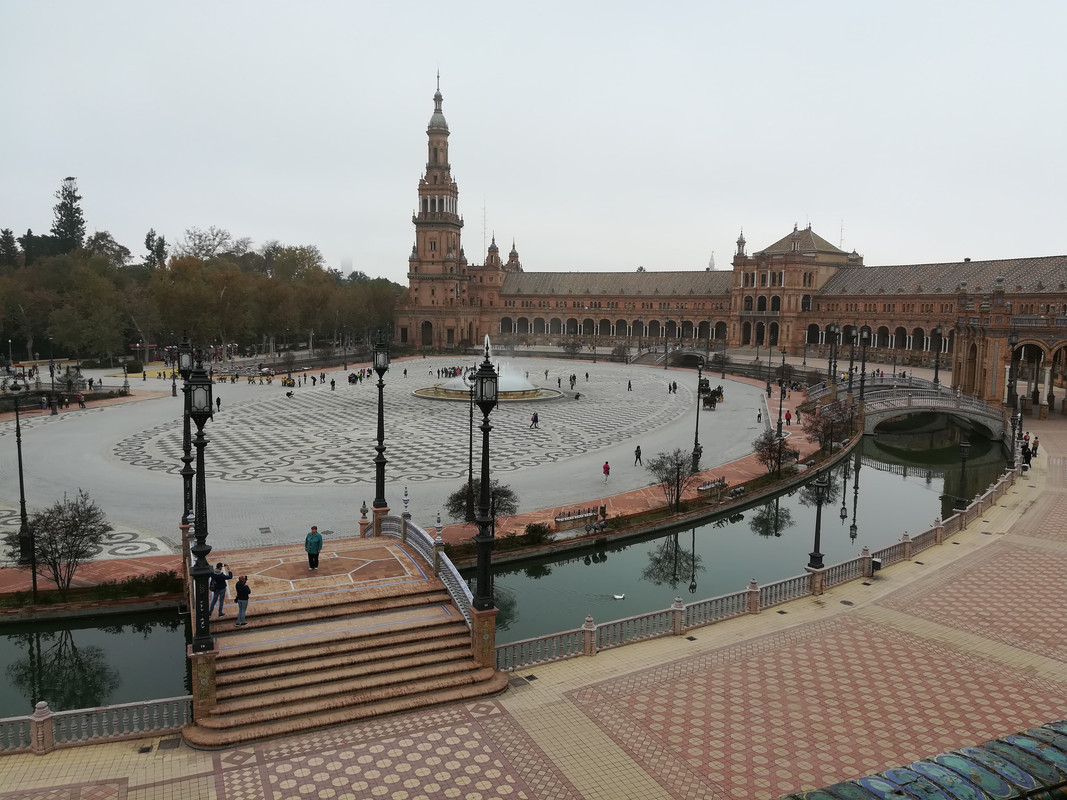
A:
[84,663]
[889,485]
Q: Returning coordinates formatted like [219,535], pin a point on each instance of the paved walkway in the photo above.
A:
[960,647]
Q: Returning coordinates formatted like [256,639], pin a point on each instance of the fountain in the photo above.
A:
[511,386]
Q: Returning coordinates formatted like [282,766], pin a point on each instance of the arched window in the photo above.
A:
[748,302]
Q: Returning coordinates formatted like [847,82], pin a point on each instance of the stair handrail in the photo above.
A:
[446,570]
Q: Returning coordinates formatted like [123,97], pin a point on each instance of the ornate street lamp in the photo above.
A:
[865,340]
[833,329]
[52,372]
[381,366]
[198,388]
[820,485]
[851,357]
[936,332]
[469,378]
[485,395]
[27,545]
[1013,370]
[185,369]
[696,431]
[961,498]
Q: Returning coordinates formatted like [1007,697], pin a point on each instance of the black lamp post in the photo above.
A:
[52,373]
[865,340]
[1011,444]
[381,366]
[696,431]
[781,397]
[185,369]
[723,365]
[665,347]
[469,378]
[832,329]
[1019,417]
[1013,370]
[27,545]
[961,498]
[173,369]
[198,388]
[851,357]
[936,333]
[820,485]
[485,394]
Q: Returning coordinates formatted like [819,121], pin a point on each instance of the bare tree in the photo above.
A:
[64,535]
[674,473]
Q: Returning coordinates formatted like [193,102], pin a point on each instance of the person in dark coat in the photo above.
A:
[217,585]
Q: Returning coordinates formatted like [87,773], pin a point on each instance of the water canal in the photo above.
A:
[891,484]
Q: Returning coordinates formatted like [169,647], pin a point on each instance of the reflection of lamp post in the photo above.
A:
[1013,370]
[852,530]
[844,482]
[820,485]
[937,353]
[961,499]
[851,357]
[696,431]
[693,563]
[52,372]
[485,390]
[200,410]
[27,545]
[381,366]
[781,396]
[865,340]
[469,379]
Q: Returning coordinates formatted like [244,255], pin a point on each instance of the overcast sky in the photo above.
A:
[600,136]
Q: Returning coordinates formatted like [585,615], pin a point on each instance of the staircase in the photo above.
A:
[313,659]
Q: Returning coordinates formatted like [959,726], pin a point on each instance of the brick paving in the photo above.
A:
[957,649]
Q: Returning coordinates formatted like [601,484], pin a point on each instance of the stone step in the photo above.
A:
[207,738]
[346,604]
[396,675]
[349,651]
[314,703]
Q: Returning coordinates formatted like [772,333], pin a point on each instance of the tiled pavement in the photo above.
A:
[960,646]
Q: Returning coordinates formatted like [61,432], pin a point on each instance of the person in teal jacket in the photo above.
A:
[313,544]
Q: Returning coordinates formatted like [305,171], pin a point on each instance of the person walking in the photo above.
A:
[243,592]
[1033,447]
[759,415]
[218,403]
[637,456]
[629,386]
[217,585]
[534,420]
[788,418]
[607,471]
[312,545]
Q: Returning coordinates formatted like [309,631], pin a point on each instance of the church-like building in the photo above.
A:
[998,329]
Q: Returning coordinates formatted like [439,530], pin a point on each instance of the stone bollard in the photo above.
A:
[42,730]
[589,636]
[678,616]
[753,597]
[818,581]
[907,546]
[438,551]
[939,531]
[868,569]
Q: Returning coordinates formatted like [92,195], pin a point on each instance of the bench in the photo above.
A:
[575,518]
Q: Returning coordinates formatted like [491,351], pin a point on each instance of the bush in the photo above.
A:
[537,533]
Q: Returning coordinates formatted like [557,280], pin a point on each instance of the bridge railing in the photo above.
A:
[433,552]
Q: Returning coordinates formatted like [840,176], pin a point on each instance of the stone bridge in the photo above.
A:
[884,401]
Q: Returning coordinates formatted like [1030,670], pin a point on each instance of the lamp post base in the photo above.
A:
[483,636]
[378,514]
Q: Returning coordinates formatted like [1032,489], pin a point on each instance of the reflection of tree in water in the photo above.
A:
[771,520]
[65,676]
[144,627]
[807,495]
[507,607]
[670,565]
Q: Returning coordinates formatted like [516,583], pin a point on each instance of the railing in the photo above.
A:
[540,650]
[726,606]
[779,592]
[592,638]
[445,570]
[844,572]
[46,730]
[634,629]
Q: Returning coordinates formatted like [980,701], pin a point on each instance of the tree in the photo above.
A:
[202,244]
[69,225]
[9,249]
[157,250]
[620,352]
[767,448]
[719,361]
[64,535]
[832,421]
[503,500]
[103,244]
[673,471]
[571,346]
